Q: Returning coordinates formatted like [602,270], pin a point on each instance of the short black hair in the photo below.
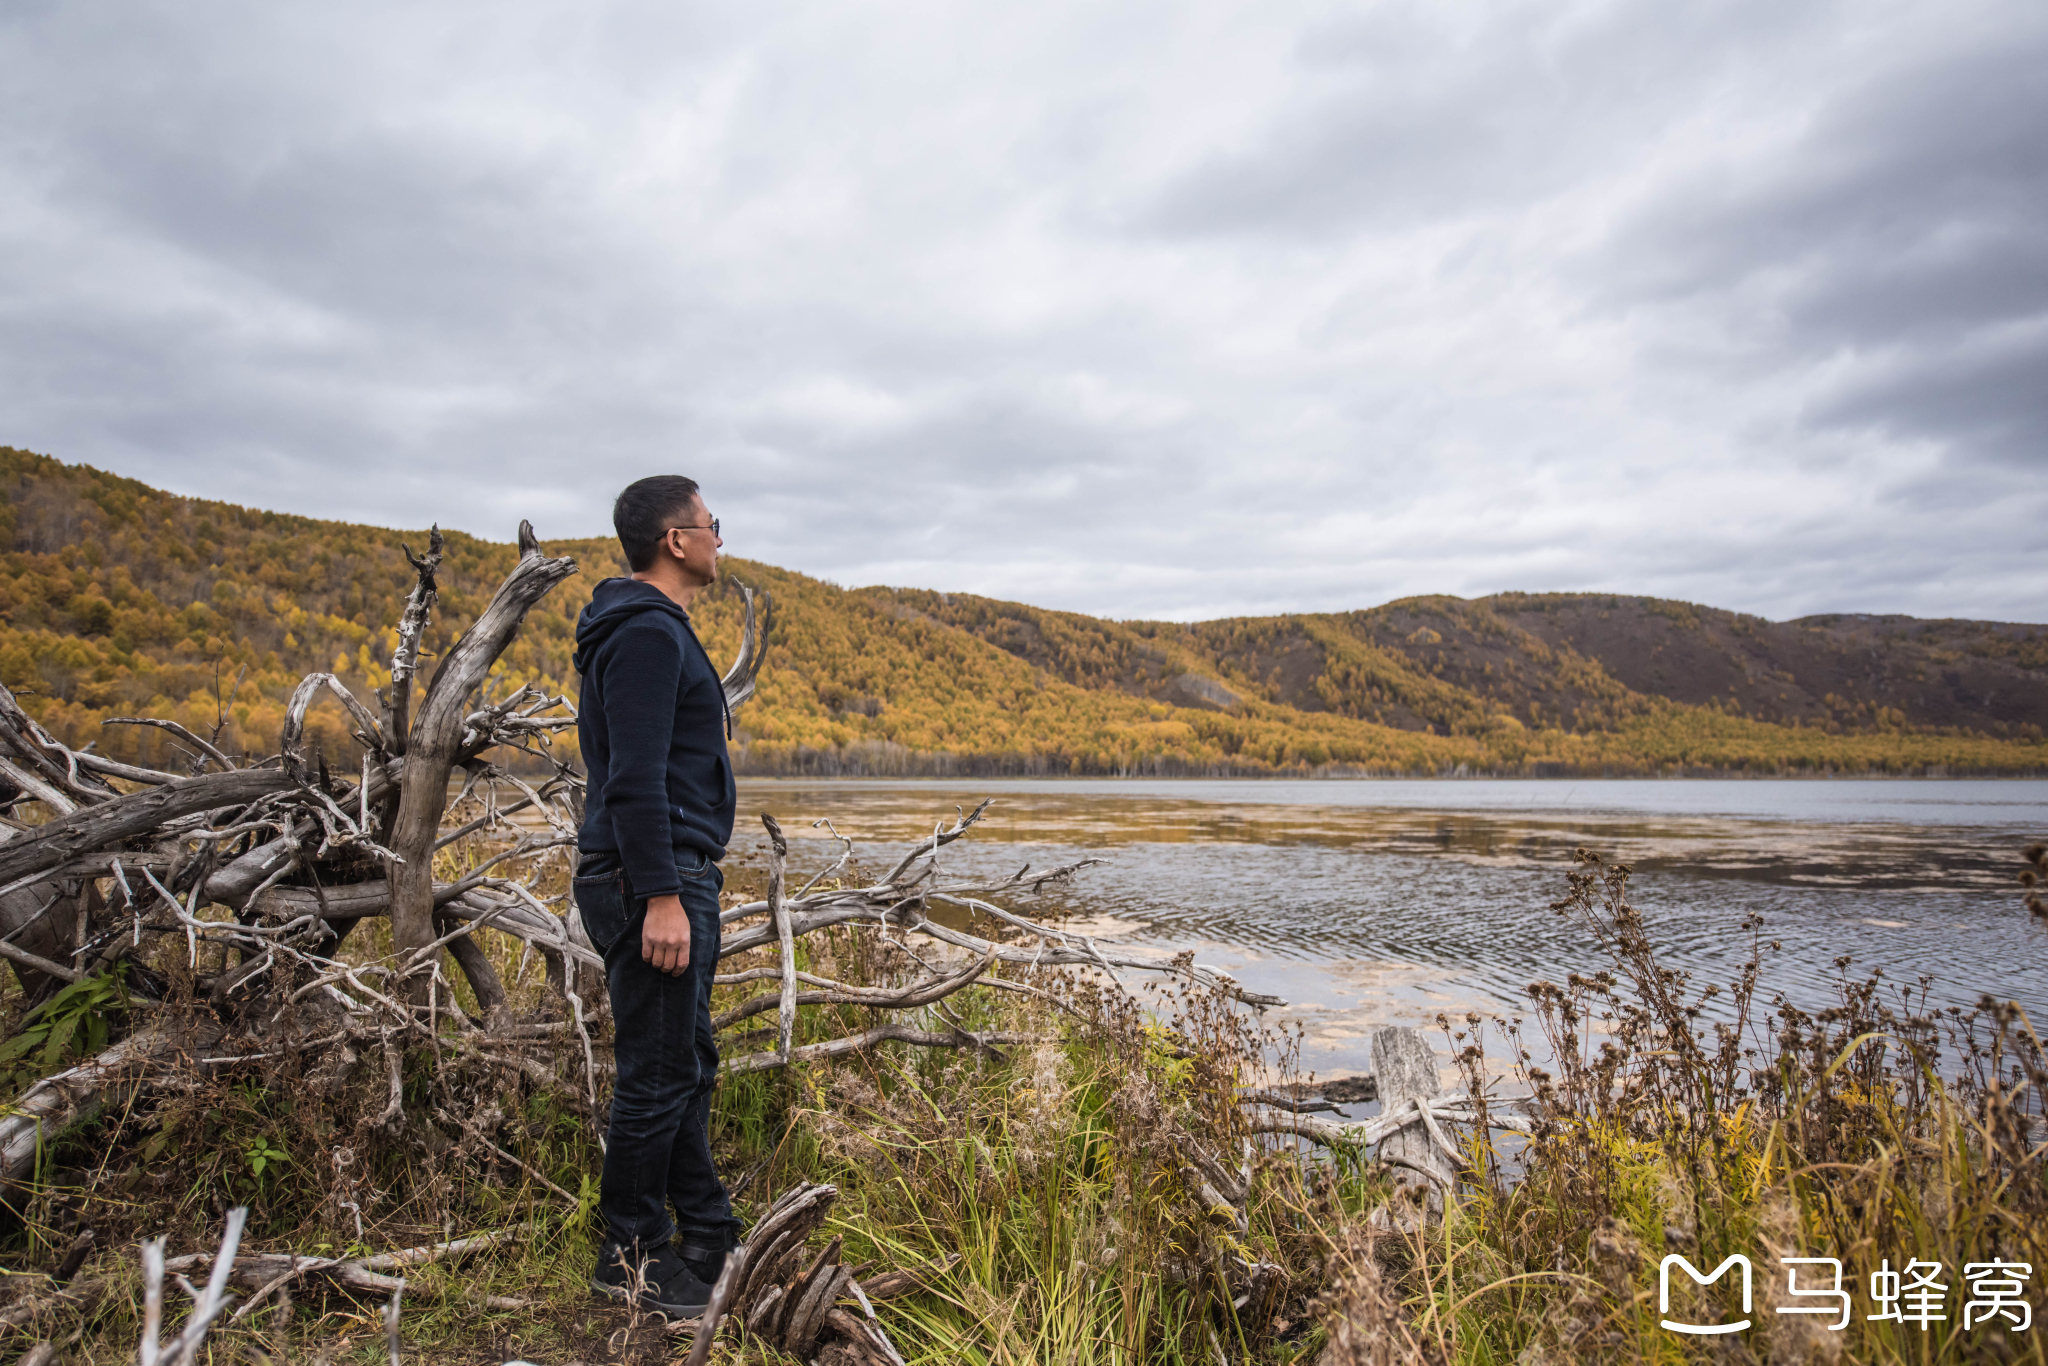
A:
[646,510]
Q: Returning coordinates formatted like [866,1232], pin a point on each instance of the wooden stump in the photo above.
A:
[1404,1065]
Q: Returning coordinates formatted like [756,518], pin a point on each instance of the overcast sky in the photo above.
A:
[1126,307]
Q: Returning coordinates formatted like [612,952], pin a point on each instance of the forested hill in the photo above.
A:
[117,600]
[1573,661]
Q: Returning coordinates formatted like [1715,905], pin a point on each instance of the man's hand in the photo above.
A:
[665,935]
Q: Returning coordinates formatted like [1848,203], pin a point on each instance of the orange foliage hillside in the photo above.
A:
[117,600]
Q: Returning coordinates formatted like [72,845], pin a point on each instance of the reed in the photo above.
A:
[1680,1117]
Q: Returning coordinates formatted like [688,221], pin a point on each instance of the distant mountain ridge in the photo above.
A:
[118,599]
[1575,660]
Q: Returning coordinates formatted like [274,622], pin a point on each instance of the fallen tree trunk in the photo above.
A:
[140,813]
[53,1103]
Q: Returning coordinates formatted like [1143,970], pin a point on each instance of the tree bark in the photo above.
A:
[1404,1065]
[436,741]
[95,827]
[51,1104]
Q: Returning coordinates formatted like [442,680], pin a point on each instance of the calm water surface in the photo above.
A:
[1367,902]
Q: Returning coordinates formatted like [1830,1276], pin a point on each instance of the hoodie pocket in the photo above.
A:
[723,780]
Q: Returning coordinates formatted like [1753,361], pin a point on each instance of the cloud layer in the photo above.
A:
[1137,309]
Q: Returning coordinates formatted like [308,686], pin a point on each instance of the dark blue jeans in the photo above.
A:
[658,1152]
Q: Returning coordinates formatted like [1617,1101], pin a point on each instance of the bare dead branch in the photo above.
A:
[267,1272]
[138,813]
[491,1000]
[435,740]
[939,839]
[40,964]
[184,1348]
[738,683]
[785,1019]
[100,764]
[205,747]
[884,1033]
[1292,1104]
[412,624]
[920,993]
[291,741]
[56,763]
[33,785]
[489,818]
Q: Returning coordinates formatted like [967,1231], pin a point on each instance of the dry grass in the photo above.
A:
[1068,1179]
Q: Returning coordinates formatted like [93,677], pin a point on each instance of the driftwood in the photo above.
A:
[437,741]
[1404,1065]
[790,1298]
[54,1102]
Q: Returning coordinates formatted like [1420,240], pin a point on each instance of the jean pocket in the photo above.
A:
[695,865]
[602,903]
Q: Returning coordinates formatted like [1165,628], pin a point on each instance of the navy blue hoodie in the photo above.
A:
[652,721]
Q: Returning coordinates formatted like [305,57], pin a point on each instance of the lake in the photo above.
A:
[1365,902]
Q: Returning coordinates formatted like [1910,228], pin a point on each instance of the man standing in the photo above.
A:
[655,823]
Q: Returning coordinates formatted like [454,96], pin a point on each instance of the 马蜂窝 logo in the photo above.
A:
[1664,1292]
[1915,1296]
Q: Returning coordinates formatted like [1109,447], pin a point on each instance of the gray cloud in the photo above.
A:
[1136,309]
[1895,246]
[1411,113]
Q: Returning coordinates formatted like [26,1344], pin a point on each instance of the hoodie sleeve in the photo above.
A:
[641,675]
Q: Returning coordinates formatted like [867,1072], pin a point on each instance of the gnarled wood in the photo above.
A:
[139,813]
[436,739]
[738,683]
[412,625]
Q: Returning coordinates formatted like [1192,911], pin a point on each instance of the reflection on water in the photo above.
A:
[1369,902]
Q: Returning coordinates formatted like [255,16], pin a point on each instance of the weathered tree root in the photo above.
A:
[796,1311]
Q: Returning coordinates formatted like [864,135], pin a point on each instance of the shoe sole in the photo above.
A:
[672,1311]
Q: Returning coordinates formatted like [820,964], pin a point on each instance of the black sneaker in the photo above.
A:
[705,1263]
[662,1282]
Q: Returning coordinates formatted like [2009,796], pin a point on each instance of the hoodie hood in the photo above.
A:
[612,604]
